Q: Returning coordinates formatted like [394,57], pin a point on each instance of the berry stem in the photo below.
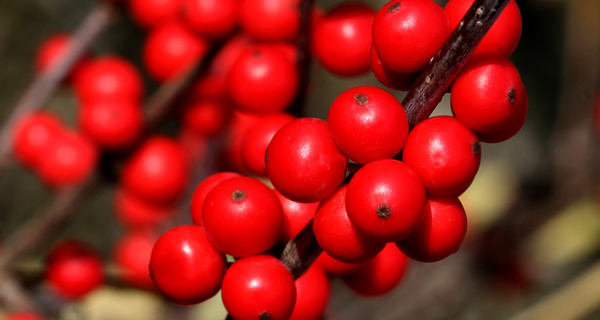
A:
[419,103]
[433,83]
[46,83]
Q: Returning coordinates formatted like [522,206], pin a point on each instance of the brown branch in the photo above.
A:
[420,101]
[46,83]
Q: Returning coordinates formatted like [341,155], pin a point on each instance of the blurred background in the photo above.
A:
[533,246]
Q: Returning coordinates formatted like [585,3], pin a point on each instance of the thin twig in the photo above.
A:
[46,83]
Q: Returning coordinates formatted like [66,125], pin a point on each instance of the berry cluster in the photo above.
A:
[369,185]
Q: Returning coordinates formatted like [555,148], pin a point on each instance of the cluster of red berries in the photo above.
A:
[375,190]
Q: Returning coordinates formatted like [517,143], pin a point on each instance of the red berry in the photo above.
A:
[385,200]
[110,78]
[210,18]
[240,123]
[23,316]
[487,94]
[259,287]
[33,133]
[513,127]
[504,35]
[137,212]
[262,80]
[336,267]
[112,124]
[296,216]
[207,116]
[132,255]
[185,266]
[52,51]
[73,270]
[202,191]
[68,160]
[445,155]
[171,49]
[151,13]
[368,123]
[312,295]
[342,38]
[270,20]
[441,232]
[408,33]
[337,236]
[228,54]
[158,171]
[388,77]
[242,217]
[303,161]
[257,139]
[379,275]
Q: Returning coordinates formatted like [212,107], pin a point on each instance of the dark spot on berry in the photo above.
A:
[256,53]
[394,7]
[266,151]
[512,95]
[238,195]
[264,316]
[361,99]
[476,147]
[384,211]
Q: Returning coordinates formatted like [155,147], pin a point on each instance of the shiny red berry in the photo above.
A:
[296,216]
[207,116]
[270,20]
[112,124]
[73,270]
[441,232]
[388,77]
[110,78]
[257,139]
[380,275]
[487,94]
[259,287]
[210,18]
[132,256]
[337,236]
[312,295]
[444,154]
[368,123]
[242,217]
[385,200]
[171,49]
[158,171]
[185,266]
[303,161]
[240,123]
[151,13]
[504,35]
[342,37]
[32,133]
[137,212]
[334,267]
[408,33]
[512,129]
[202,191]
[262,80]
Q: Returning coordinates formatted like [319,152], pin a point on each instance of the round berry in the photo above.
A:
[151,13]
[441,232]
[262,80]
[304,162]
[171,49]
[132,255]
[312,295]
[136,212]
[296,216]
[512,129]
[259,287]
[52,51]
[202,191]
[73,270]
[240,123]
[379,275]
[109,78]
[444,154]
[242,217]
[337,236]
[112,124]
[388,77]
[270,20]
[335,267]
[408,33]
[185,266]
[503,36]
[257,139]
[342,38]
[385,200]
[487,94]
[368,124]
[207,116]
[33,133]
[210,18]
[158,170]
